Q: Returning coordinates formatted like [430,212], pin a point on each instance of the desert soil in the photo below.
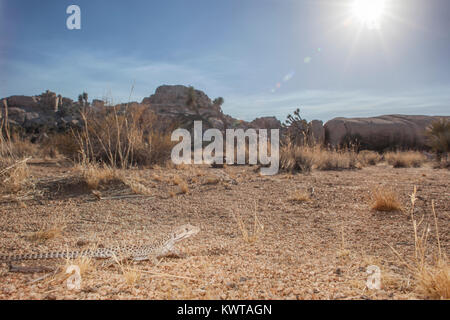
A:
[318,249]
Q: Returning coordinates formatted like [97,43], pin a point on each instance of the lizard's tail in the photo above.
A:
[41,256]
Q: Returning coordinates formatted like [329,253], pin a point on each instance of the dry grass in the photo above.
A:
[15,180]
[300,196]
[137,187]
[94,175]
[305,158]
[131,276]
[86,265]
[343,253]
[45,235]
[255,233]
[177,180]
[62,144]
[184,188]
[212,181]
[432,278]
[296,158]
[334,159]
[97,177]
[407,159]
[124,138]
[385,199]
[369,158]
[53,228]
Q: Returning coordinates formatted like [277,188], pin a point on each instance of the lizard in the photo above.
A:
[150,251]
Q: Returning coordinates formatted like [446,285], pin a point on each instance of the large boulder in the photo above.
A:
[380,133]
[22,102]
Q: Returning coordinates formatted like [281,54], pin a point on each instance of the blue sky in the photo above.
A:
[265,57]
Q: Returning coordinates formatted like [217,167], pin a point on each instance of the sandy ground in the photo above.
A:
[308,250]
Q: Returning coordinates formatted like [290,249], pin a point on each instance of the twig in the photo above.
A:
[14,165]
[124,197]
[37,269]
[43,277]
[165,275]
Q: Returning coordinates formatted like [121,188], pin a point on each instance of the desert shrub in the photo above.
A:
[438,134]
[368,158]
[405,159]
[124,138]
[296,158]
[64,144]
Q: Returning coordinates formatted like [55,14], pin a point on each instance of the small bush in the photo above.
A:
[405,159]
[368,158]
[385,199]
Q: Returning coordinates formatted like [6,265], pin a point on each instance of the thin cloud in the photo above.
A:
[327,104]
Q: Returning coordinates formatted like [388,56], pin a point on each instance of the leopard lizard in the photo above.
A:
[152,251]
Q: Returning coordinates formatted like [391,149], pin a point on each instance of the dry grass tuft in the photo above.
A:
[177,180]
[407,159]
[137,187]
[385,199]
[131,276]
[343,253]
[212,181]
[45,235]
[432,278]
[86,265]
[300,196]
[184,188]
[258,227]
[94,175]
[49,231]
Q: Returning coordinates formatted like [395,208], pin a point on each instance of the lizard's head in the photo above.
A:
[184,231]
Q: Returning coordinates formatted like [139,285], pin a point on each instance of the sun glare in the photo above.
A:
[369,12]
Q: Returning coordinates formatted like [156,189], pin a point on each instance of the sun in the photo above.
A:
[369,12]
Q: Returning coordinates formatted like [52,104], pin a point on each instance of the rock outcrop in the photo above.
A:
[172,102]
[380,133]
[265,123]
[47,111]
